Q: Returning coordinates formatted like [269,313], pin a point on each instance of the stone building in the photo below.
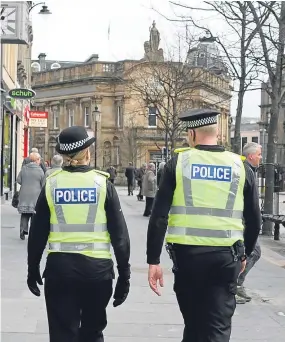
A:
[129,128]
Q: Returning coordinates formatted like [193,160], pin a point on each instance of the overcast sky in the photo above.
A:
[77,29]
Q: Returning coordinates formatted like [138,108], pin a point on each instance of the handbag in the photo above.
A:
[15,199]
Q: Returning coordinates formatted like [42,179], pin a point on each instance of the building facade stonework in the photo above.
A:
[129,129]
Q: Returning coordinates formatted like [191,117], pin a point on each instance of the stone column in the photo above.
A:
[78,113]
[62,115]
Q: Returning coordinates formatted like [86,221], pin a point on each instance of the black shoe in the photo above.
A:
[22,235]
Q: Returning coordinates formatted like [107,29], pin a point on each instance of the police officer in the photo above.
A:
[204,193]
[78,213]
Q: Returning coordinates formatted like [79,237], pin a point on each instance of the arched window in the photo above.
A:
[36,67]
[55,66]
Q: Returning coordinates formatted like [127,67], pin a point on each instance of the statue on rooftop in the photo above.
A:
[152,52]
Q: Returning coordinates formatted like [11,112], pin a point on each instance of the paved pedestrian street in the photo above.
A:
[144,317]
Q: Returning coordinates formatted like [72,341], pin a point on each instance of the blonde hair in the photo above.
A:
[79,158]
[34,157]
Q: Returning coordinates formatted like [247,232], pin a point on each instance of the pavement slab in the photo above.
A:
[144,317]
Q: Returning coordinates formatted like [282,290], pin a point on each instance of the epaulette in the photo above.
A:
[182,149]
[103,173]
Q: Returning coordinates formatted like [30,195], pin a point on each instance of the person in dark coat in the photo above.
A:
[160,172]
[130,174]
[139,177]
[113,173]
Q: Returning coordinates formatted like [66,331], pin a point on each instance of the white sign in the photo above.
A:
[38,119]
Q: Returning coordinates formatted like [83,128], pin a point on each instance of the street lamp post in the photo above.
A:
[44,9]
[96,118]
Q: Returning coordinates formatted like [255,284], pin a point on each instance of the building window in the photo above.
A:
[87,116]
[108,67]
[55,118]
[152,112]
[70,117]
[243,141]
[119,116]
[36,67]
[254,139]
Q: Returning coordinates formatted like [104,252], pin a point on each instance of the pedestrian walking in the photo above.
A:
[130,174]
[149,188]
[253,154]
[56,164]
[79,214]
[160,172]
[31,178]
[113,173]
[27,160]
[204,194]
[139,177]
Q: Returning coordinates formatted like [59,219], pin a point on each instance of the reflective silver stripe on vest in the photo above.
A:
[57,208]
[190,209]
[207,233]
[73,228]
[89,226]
[179,210]
[78,247]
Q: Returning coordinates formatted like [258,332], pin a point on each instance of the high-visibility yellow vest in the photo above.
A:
[78,222]
[207,206]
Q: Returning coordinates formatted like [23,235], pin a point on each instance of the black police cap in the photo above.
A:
[73,139]
[195,118]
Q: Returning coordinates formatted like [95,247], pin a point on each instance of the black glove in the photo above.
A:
[123,285]
[34,277]
[121,291]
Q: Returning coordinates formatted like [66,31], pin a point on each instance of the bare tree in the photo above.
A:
[272,37]
[171,87]
[238,17]
[130,140]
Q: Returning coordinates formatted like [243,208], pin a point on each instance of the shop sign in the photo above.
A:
[155,156]
[22,93]
[38,119]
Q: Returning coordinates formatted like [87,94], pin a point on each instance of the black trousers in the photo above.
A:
[205,287]
[111,180]
[148,206]
[77,310]
[130,186]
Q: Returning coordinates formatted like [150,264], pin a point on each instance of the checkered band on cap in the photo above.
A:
[74,145]
[202,122]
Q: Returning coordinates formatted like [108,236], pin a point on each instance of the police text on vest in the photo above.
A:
[211,172]
[75,195]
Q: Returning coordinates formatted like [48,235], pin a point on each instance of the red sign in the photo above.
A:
[38,115]
[38,119]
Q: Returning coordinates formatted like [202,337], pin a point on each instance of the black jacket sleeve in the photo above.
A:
[251,212]
[159,218]
[39,231]
[117,228]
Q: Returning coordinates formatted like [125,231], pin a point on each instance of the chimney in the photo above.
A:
[42,61]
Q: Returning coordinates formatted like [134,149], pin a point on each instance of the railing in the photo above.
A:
[77,72]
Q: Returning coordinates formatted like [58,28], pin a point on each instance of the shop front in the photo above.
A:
[7,151]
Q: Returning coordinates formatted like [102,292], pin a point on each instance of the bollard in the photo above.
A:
[277,231]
